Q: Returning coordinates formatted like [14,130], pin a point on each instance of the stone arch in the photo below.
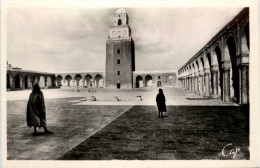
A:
[59,80]
[245,40]
[231,76]
[139,81]
[9,81]
[99,82]
[217,61]
[42,81]
[170,80]
[18,81]
[197,65]
[78,80]
[208,60]
[194,68]
[202,63]
[68,79]
[88,80]
[49,82]
[226,56]
[148,81]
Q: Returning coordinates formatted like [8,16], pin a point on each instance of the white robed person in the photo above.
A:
[36,113]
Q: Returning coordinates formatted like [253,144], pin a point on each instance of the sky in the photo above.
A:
[74,39]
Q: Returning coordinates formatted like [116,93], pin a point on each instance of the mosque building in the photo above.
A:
[119,71]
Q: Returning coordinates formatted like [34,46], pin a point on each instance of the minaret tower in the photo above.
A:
[120,53]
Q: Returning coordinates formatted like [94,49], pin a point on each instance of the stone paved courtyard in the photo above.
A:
[83,130]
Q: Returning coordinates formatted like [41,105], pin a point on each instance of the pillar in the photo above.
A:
[214,75]
[23,83]
[207,82]
[226,85]
[200,84]
[244,84]
[196,84]
[186,82]
[192,84]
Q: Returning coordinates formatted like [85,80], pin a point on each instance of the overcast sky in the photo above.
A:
[74,39]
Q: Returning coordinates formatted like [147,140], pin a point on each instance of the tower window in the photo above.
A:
[118,72]
[118,61]
[119,22]
[118,51]
[159,77]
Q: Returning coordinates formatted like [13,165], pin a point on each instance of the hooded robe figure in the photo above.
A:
[36,113]
[160,99]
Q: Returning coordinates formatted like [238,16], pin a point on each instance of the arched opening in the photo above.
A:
[88,80]
[202,78]
[235,71]
[210,79]
[68,79]
[18,81]
[148,81]
[49,81]
[233,79]
[170,80]
[119,22]
[26,80]
[42,82]
[9,81]
[219,83]
[197,78]
[139,81]
[98,81]
[78,79]
[59,81]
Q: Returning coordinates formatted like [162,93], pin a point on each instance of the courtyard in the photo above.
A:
[124,125]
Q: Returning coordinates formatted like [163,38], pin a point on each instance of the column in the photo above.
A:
[186,82]
[206,76]
[214,75]
[200,84]
[244,84]
[23,84]
[196,84]
[190,83]
[226,85]
[193,82]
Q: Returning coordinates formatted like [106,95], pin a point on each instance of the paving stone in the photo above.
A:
[181,140]
[166,156]
[68,122]
[108,132]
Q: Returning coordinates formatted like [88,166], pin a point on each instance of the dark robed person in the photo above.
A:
[160,99]
[36,113]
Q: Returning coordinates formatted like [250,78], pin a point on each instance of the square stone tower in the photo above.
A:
[120,53]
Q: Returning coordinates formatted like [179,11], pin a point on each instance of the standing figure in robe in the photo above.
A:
[160,99]
[36,113]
